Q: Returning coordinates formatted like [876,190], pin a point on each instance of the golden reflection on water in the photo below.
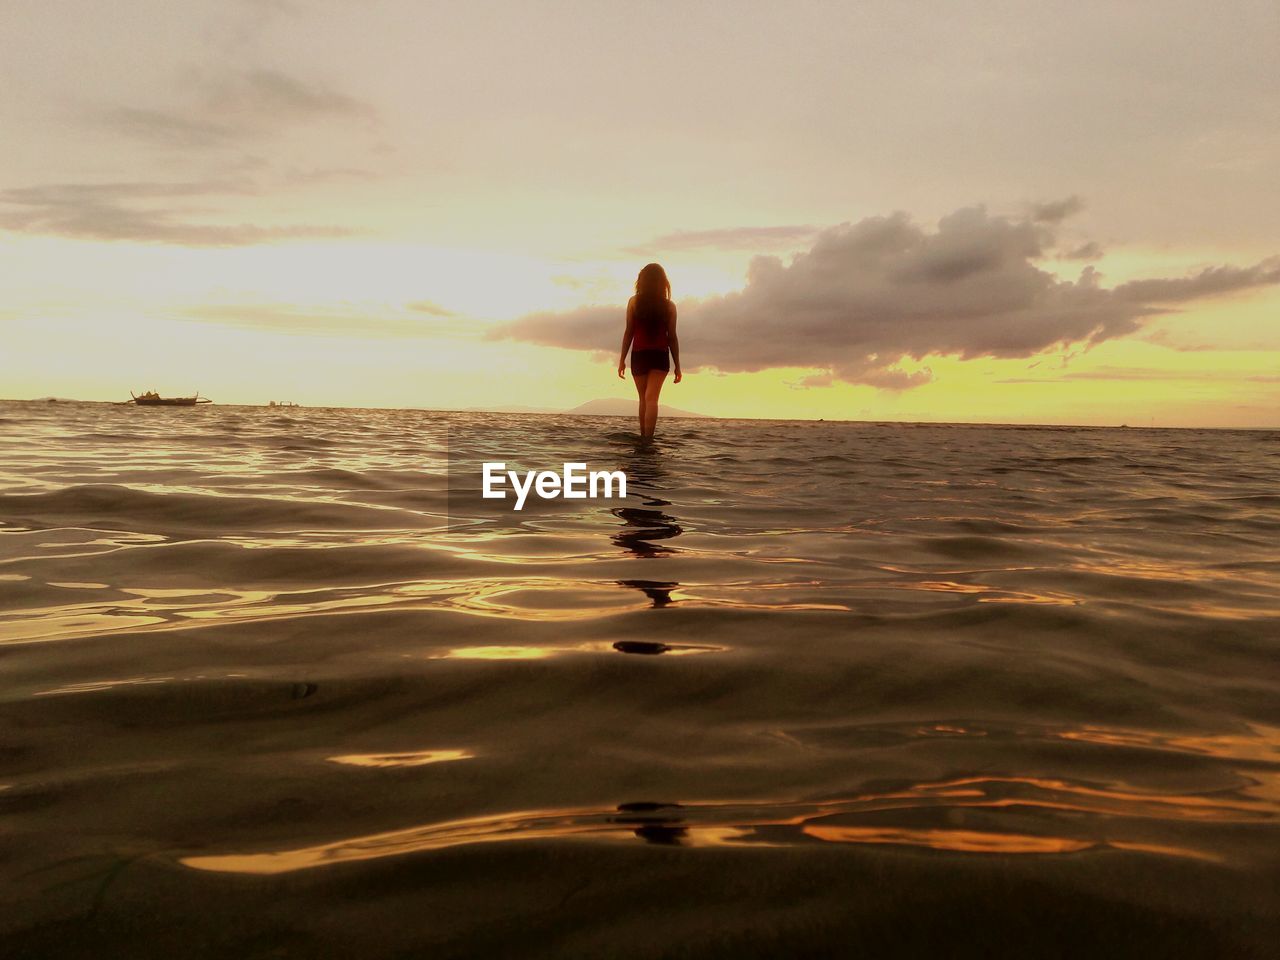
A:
[1262,745]
[512,652]
[541,600]
[1106,813]
[39,627]
[176,608]
[516,576]
[500,653]
[412,759]
[966,841]
[523,598]
[1041,598]
[946,729]
[436,836]
[1165,851]
[1265,786]
[266,609]
[947,586]
[99,685]
[984,593]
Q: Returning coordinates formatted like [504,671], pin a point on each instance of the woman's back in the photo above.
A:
[650,334]
[650,318]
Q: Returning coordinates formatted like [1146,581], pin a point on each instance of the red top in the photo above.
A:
[649,319]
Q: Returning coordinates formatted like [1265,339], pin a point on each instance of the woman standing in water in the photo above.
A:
[651,337]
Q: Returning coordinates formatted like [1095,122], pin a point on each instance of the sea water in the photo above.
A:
[281,683]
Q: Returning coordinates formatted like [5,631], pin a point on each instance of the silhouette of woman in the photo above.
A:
[651,337]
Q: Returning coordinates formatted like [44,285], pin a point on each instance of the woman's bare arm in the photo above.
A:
[626,337]
[674,341]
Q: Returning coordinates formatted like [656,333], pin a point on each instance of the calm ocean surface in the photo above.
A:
[272,683]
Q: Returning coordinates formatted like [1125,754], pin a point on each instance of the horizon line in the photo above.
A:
[690,416]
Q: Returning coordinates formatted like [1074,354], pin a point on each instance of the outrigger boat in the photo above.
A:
[153,399]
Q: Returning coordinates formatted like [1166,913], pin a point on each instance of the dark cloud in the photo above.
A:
[1086,251]
[127,211]
[1211,281]
[728,238]
[1055,211]
[868,295]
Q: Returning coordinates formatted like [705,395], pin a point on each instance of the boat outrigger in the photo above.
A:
[153,399]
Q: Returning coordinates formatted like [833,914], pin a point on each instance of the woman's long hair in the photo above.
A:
[653,282]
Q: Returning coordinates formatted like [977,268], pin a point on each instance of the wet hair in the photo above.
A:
[653,281]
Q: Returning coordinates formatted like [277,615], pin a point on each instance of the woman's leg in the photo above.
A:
[641,380]
[651,391]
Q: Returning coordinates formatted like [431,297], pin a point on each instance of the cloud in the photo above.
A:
[1169,340]
[164,128]
[364,321]
[74,194]
[430,307]
[1055,211]
[227,114]
[1150,374]
[126,211]
[1086,251]
[309,175]
[272,96]
[869,295]
[1211,281]
[230,109]
[728,238]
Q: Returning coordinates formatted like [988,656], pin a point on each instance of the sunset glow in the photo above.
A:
[243,201]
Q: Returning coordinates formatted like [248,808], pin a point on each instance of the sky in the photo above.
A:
[1049,212]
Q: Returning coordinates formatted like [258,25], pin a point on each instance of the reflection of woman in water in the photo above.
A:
[650,334]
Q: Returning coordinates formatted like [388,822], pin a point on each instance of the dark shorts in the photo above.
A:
[642,361]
